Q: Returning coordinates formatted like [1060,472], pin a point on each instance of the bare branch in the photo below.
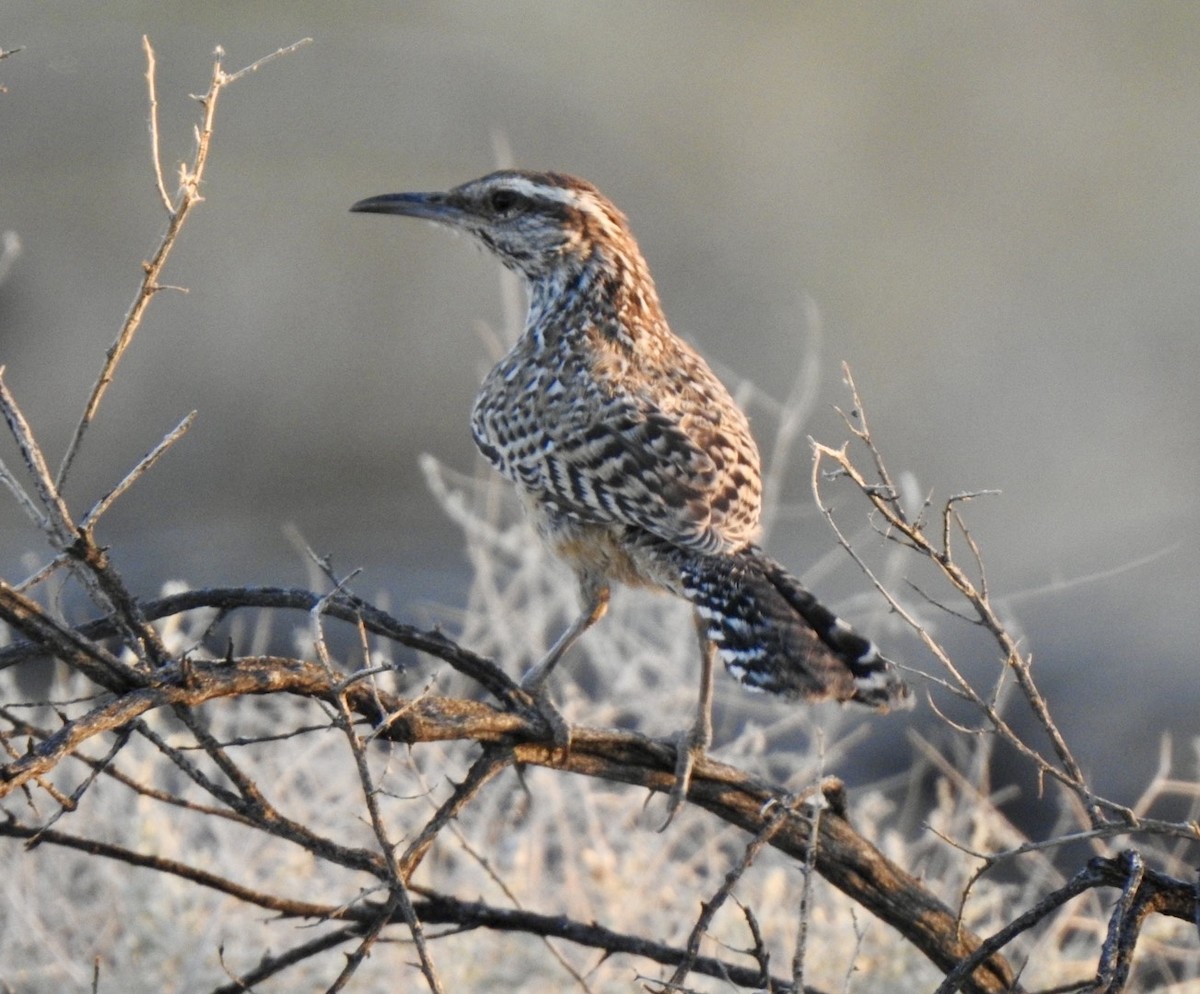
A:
[1123,927]
[259,63]
[155,157]
[808,873]
[398,897]
[484,769]
[191,177]
[844,858]
[881,496]
[269,966]
[144,465]
[51,637]
[708,910]
[1084,880]
[344,607]
[56,521]
[204,878]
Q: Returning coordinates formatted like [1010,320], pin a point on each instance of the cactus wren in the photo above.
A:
[633,460]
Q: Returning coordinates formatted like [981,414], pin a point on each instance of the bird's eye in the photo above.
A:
[505,201]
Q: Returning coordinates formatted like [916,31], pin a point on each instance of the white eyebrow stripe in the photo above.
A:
[541,191]
[582,200]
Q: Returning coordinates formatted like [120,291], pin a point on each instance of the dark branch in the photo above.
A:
[344,607]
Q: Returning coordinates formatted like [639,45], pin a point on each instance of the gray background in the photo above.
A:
[995,206]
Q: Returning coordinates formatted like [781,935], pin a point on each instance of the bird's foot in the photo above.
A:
[691,746]
[559,728]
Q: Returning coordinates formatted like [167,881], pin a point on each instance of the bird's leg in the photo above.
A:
[692,744]
[595,605]
[595,597]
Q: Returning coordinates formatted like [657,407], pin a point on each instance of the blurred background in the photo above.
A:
[995,208]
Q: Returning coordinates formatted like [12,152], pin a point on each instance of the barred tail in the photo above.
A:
[773,635]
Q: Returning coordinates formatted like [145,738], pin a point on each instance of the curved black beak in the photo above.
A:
[433,206]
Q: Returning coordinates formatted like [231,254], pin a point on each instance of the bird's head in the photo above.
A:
[542,225]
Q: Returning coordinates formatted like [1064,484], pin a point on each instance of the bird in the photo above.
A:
[631,457]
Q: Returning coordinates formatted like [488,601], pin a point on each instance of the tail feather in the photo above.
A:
[773,635]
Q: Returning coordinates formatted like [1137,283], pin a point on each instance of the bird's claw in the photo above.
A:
[551,717]
[690,747]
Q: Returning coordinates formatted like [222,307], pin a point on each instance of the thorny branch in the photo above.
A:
[709,909]
[843,857]
[885,497]
[398,896]
[899,524]
[433,909]
[179,207]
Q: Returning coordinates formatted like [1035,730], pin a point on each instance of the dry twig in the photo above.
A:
[187,196]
